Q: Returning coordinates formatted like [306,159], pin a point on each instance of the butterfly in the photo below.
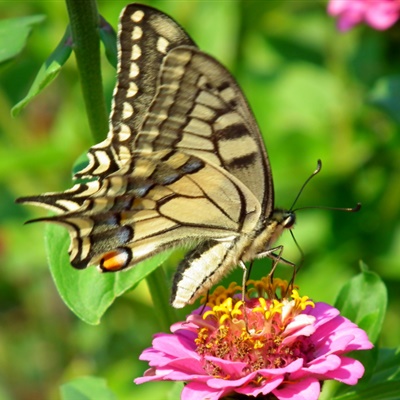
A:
[184,165]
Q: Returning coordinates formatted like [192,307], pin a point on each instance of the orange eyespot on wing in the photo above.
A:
[115,260]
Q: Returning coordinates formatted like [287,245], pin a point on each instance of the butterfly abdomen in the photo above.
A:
[210,261]
[201,268]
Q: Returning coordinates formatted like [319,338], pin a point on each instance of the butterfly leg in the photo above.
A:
[246,272]
[245,276]
[276,258]
[275,254]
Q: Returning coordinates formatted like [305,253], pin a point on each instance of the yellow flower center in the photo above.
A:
[252,331]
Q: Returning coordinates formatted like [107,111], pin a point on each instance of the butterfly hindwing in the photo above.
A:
[130,217]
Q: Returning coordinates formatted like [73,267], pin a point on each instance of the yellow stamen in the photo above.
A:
[301,302]
[221,293]
[223,318]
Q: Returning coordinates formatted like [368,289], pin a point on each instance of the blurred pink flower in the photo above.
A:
[380,14]
[281,346]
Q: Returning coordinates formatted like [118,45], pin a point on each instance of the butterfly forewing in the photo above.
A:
[183,165]
[145,37]
[200,110]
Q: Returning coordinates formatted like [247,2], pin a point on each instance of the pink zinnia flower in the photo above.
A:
[257,346]
[380,14]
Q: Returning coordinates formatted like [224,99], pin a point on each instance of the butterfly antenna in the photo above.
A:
[317,170]
[356,208]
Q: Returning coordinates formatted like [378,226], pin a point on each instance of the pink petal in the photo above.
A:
[200,391]
[336,333]
[218,383]
[152,374]
[234,369]
[349,372]
[318,369]
[268,374]
[323,365]
[175,371]
[322,312]
[349,12]
[177,345]
[192,323]
[302,324]
[336,7]
[291,368]
[185,369]
[155,358]
[266,387]
[336,345]
[306,389]
[231,383]
[382,14]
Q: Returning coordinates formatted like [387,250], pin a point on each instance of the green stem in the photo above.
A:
[84,21]
[160,296]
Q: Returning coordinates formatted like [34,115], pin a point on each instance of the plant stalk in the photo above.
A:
[84,21]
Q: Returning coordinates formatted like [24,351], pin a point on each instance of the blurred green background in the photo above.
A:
[316,94]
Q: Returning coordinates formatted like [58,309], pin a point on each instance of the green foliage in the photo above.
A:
[386,94]
[18,29]
[86,388]
[363,300]
[88,293]
[316,93]
[48,72]
[109,39]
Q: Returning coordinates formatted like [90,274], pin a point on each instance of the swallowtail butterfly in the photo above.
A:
[184,164]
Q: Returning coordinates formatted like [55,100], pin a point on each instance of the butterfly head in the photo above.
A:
[284,218]
[276,223]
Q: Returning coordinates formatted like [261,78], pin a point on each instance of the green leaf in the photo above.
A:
[89,293]
[176,391]
[109,39]
[388,366]
[386,95]
[363,300]
[87,388]
[80,163]
[381,391]
[18,30]
[48,71]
